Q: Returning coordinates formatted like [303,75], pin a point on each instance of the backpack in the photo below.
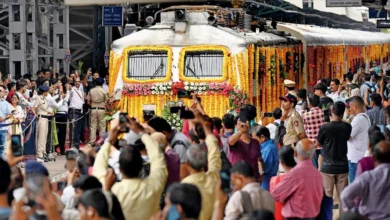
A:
[371,90]
[246,202]
[280,132]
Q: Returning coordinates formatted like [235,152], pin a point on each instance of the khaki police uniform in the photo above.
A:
[42,110]
[98,97]
[294,126]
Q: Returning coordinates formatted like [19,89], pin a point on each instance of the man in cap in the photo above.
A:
[42,109]
[293,121]
[289,87]
[96,99]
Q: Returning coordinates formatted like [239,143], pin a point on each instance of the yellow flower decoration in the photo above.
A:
[147,48]
[201,48]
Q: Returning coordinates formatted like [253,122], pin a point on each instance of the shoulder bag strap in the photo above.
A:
[246,202]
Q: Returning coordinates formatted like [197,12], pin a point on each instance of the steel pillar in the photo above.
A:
[99,44]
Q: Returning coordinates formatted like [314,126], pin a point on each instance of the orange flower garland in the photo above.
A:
[257,90]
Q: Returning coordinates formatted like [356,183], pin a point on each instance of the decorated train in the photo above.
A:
[201,49]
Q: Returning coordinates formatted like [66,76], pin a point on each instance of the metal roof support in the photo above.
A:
[61,38]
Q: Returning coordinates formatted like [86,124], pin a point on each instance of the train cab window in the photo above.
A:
[146,65]
[203,64]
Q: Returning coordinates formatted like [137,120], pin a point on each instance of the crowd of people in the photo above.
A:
[325,150]
[52,109]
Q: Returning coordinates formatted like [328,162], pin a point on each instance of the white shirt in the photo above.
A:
[77,98]
[358,143]
[64,107]
[105,87]
[272,128]
[51,101]
[260,198]
[336,97]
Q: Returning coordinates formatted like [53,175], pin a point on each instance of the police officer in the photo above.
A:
[293,121]
[42,109]
[96,99]
[289,87]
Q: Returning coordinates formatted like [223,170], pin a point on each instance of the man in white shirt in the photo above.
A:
[248,195]
[106,83]
[335,91]
[358,142]
[273,127]
[76,112]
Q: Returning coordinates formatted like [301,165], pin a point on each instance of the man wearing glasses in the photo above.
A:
[76,112]
[5,114]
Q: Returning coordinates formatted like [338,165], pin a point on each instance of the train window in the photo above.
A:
[145,65]
[203,64]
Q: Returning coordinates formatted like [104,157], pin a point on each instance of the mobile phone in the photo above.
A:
[225,181]
[184,114]
[184,94]
[123,122]
[16,145]
[268,114]
[34,184]
[90,79]
[61,185]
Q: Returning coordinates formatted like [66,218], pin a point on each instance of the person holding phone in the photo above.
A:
[17,115]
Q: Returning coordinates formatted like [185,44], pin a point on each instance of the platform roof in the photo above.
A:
[315,35]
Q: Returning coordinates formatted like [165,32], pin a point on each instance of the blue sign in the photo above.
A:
[375,13]
[112,16]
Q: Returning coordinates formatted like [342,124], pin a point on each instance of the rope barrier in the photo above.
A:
[35,117]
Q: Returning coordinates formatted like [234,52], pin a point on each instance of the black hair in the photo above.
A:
[139,145]
[302,93]
[4,87]
[243,168]
[339,108]
[130,162]
[262,214]
[277,113]
[179,194]
[382,154]
[263,131]
[200,131]
[375,137]
[82,77]
[286,156]
[320,86]
[5,173]
[159,124]
[367,77]
[96,199]
[376,99]
[193,136]
[314,100]
[228,121]
[336,81]
[10,85]
[357,100]
[251,109]
[217,122]
[349,77]
[20,84]
[82,163]
[86,183]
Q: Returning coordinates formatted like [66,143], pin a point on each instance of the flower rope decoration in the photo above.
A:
[237,99]
[272,69]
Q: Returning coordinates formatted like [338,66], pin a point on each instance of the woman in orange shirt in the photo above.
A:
[286,157]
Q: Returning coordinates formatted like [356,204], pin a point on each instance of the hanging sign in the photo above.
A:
[112,15]
[343,3]
[68,57]
[106,58]
[382,23]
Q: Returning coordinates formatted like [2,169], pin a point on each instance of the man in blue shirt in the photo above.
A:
[5,114]
[269,153]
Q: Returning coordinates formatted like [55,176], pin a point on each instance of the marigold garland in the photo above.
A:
[204,48]
[147,48]
[115,64]
[257,89]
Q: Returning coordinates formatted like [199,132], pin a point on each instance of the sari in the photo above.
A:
[29,151]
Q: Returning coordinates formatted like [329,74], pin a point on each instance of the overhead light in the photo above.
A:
[387,6]
[149,20]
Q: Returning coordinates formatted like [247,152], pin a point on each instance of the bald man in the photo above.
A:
[171,157]
[372,187]
[301,190]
